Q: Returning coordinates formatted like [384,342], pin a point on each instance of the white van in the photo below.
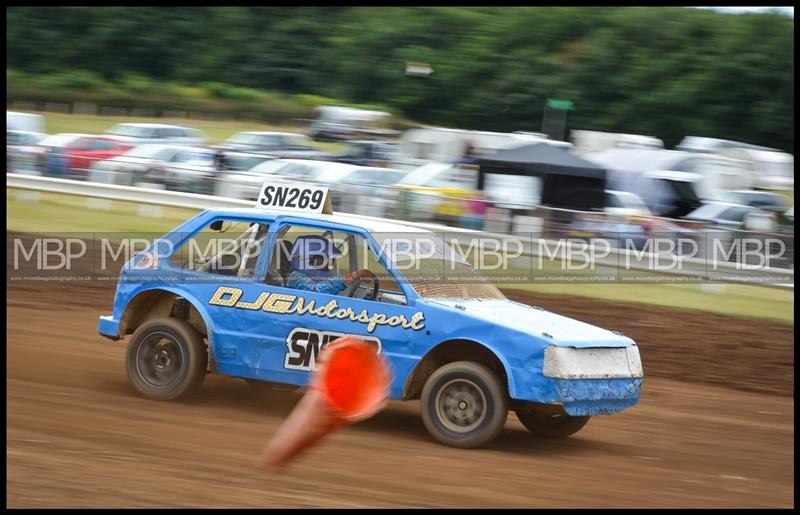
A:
[596,141]
[24,122]
[768,169]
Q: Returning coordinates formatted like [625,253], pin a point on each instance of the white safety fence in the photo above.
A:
[527,245]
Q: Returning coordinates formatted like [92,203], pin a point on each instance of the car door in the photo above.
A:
[304,321]
[218,266]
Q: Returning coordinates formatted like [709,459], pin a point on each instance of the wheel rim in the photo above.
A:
[160,360]
[460,405]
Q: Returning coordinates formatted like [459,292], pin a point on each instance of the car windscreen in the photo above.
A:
[422,175]
[243,162]
[131,131]
[684,190]
[375,176]
[270,167]
[243,138]
[735,214]
[433,268]
[268,140]
[59,140]
[707,212]
[150,152]
[22,138]
[195,157]
[298,141]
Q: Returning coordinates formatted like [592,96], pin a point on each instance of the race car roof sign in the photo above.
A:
[298,198]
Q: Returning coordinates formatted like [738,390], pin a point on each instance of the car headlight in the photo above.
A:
[592,363]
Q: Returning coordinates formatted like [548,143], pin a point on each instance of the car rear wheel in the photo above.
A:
[551,425]
[464,404]
[166,359]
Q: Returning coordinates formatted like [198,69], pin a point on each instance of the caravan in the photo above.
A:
[335,123]
[766,168]
[672,183]
[421,146]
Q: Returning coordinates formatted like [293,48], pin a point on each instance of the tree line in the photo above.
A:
[662,71]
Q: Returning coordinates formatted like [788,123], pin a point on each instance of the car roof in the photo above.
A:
[714,209]
[622,193]
[162,146]
[372,225]
[758,193]
[318,162]
[271,133]
[153,125]
[24,132]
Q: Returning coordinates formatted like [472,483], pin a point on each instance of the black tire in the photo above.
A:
[464,404]
[551,426]
[166,359]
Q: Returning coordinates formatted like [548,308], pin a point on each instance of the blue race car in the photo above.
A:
[242,293]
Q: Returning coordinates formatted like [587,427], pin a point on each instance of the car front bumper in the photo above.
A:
[581,397]
[585,381]
[108,327]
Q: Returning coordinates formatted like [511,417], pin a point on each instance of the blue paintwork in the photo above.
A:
[252,343]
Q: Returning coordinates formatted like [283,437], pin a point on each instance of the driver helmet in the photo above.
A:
[307,249]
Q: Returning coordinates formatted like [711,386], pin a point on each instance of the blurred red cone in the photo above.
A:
[350,385]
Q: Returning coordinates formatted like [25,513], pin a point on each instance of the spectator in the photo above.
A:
[468,157]
[220,163]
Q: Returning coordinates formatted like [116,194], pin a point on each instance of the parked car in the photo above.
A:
[135,165]
[246,185]
[370,191]
[198,169]
[23,138]
[141,133]
[20,149]
[762,199]
[243,161]
[363,190]
[336,123]
[278,144]
[367,153]
[723,215]
[85,151]
[50,155]
[625,203]
[192,170]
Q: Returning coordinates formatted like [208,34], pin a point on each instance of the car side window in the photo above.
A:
[100,144]
[612,200]
[735,214]
[315,259]
[224,247]
[269,142]
[80,144]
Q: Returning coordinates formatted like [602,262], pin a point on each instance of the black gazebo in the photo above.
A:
[568,182]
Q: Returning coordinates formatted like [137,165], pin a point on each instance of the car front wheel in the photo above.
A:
[464,404]
[166,359]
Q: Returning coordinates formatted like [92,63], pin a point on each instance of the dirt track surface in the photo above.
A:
[701,436]
[79,437]
[696,346]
